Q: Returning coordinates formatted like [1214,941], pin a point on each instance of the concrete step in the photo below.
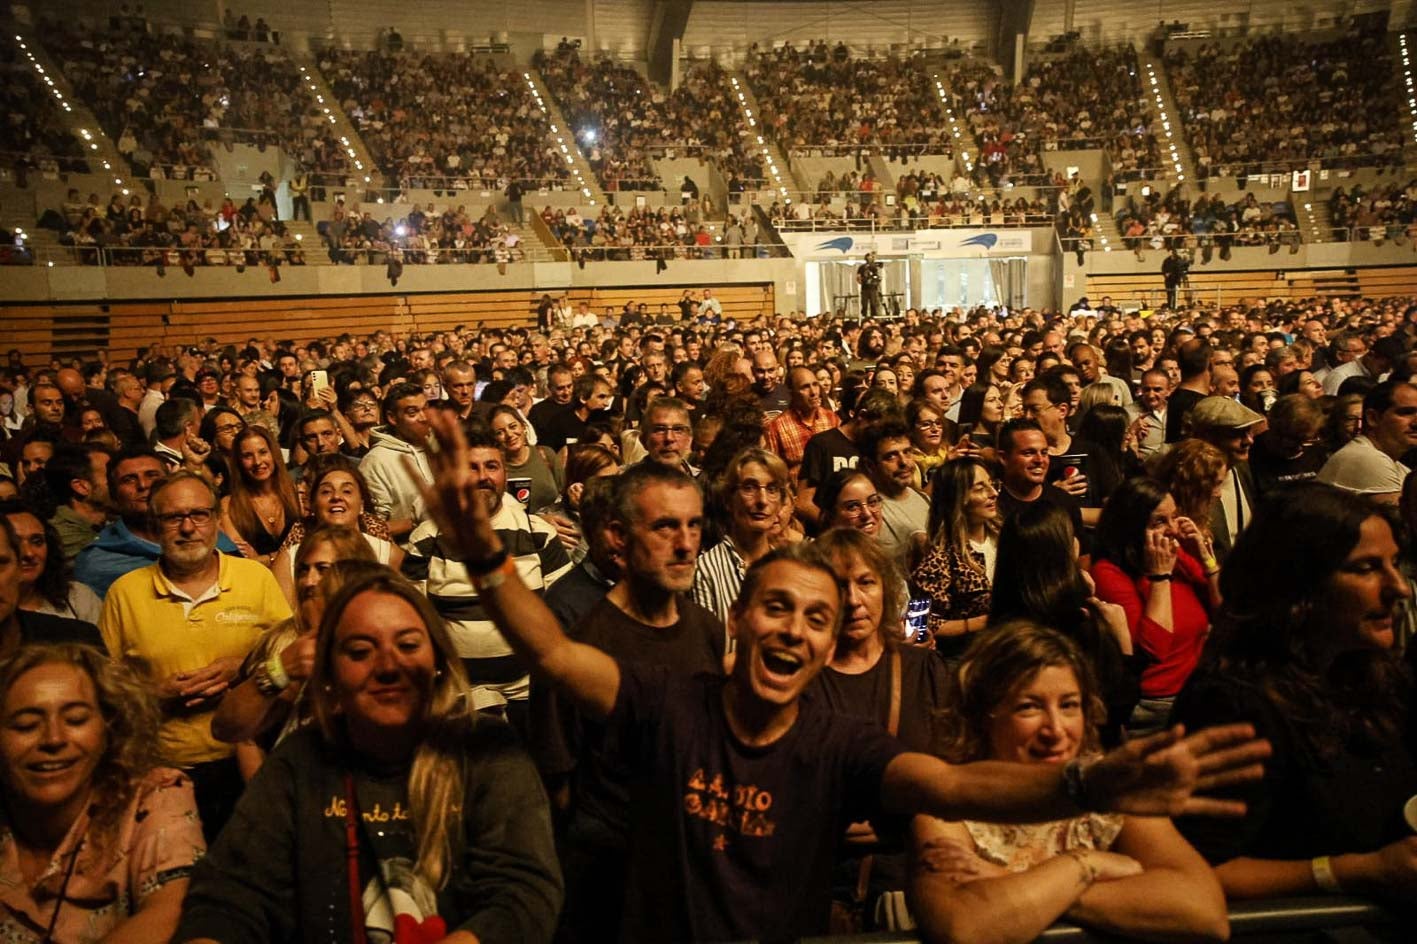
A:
[97,146]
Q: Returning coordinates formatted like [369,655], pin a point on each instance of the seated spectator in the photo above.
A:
[1029,694]
[126,827]
[473,852]
[1303,646]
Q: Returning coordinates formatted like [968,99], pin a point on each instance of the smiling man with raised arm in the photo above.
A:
[743,785]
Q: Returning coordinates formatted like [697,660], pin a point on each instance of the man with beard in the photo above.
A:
[886,457]
[186,623]
[397,447]
[538,555]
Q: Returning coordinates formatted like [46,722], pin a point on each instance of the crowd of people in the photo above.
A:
[617,125]
[165,100]
[1280,103]
[1084,98]
[356,235]
[647,627]
[826,98]
[677,232]
[140,230]
[1382,213]
[36,135]
[446,122]
[1170,221]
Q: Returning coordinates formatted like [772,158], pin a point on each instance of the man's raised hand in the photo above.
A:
[1160,775]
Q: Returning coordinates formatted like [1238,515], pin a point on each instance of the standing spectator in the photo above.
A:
[402,441]
[886,457]
[187,622]
[537,553]
[1371,463]
[1166,590]
[750,493]
[1229,427]
[46,585]
[77,480]
[1193,358]
[1148,413]
[956,568]
[788,433]
[262,506]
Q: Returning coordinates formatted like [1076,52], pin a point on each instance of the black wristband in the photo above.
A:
[1074,782]
[479,568]
[1155,577]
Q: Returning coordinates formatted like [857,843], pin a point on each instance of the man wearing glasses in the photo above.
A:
[668,435]
[187,622]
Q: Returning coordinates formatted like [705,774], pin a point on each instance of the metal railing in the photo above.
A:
[1391,161]
[1276,919]
[887,149]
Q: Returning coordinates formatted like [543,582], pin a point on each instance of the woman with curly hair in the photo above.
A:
[96,840]
[1193,472]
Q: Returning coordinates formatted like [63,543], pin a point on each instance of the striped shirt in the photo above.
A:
[717,580]
[540,560]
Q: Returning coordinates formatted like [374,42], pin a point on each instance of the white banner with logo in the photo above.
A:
[929,243]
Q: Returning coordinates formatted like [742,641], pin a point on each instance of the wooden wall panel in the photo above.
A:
[43,332]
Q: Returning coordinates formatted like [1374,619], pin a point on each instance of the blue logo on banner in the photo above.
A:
[986,240]
[841,242]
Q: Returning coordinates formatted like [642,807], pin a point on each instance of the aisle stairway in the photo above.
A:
[778,170]
[99,149]
[362,160]
[581,174]
[1167,126]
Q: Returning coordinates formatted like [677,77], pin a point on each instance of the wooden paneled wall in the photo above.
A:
[47,331]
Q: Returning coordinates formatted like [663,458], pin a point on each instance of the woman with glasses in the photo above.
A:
[748,497]
[220,427]
[956,570]
[929,443]
[356,418]
[848,499]
[525,461]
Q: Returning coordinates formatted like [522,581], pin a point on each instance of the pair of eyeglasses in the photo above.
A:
[929,424]
[171,521]
[670,430]
[750,490]
[856,507]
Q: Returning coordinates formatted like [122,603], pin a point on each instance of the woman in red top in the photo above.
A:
[1161,569]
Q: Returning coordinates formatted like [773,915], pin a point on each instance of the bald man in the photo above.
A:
[78,395]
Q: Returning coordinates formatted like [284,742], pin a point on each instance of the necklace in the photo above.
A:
[261,503]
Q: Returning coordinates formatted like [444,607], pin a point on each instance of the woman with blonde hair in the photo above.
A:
[262,506]
[398,808]
[102,848]
[1193,472]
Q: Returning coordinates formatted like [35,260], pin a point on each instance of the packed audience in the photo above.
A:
[1279,103]
[686,232]
[617,123]
[446,122]
[140,230]
[356,235]
[1170,221]
[36,134]
[164,100]
[822,97]
[1085,98]
[429,637]
[1386,212]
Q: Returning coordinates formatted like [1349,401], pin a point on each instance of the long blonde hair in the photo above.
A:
[437,780]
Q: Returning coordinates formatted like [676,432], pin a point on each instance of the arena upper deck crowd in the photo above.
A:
[734,588]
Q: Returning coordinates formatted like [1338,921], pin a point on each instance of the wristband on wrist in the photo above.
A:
[486,565]
[1089,871]
[497,577]
[1157,578]
[1322,868]
[275,668]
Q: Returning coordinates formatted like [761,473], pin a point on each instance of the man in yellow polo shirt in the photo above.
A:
[187,622]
